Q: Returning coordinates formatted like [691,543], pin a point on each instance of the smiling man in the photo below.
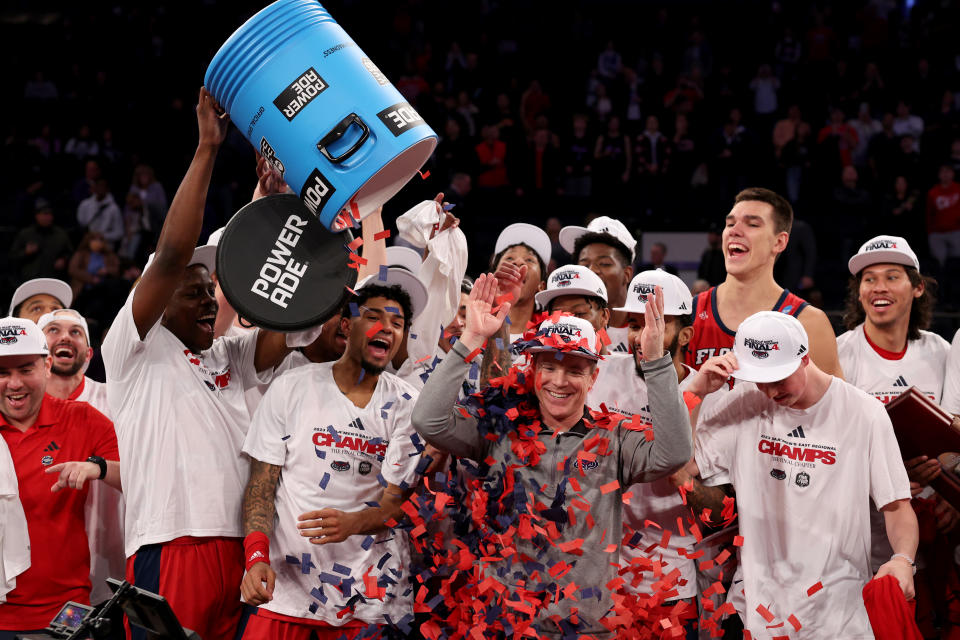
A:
[757,231]
[47,435]
[333,459]
[69,343]
[36,297]
[805,451]
[531,430]
[177,397]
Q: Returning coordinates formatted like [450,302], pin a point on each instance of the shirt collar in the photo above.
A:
[76,392]
[46,417]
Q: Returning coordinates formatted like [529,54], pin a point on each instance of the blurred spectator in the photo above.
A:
[882,151]
[866,127]
[134,213]
[468,111]
[540,175]
[152,195]
[83,188]
[634,99]
[40,88]
[92,263]
[943,216]
[651,157]
[614,159]
[492,157]
[609,62]
[907,124]
[454,153]
[46,143]
[954,159]
[786,129]
[100,212]
[764,87]
[796,267]
[699,286]
[533,102]
[558,255]
[712,267]
[683,153]
[698,54]
[578,160]
[658,257]
[602,105]
[787,53]
[796,159]
[820,40]
[82,145]
[684,96]
[903,214]
[907,161]
[730,156]
[42,249]
[873,91]
[838,139]
[851,210]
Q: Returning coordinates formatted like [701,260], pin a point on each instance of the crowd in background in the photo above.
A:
[655,113]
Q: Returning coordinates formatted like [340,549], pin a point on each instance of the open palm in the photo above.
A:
[481,321]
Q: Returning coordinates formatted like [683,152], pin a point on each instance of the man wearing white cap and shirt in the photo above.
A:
[522,251]
[177,398]
[951,383]
[345,424]
[563,368]
[804,451]
[69,344]
[46,435]
[608,248]
[36,297]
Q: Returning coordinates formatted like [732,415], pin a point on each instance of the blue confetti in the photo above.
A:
[383,273]
[413,335]
[508,320]
[329,578]
[306,564]
[334,434]
[292,560]
[339,568]
[448,206]
[367,542]
[383,560]
[405,396]
[320,453]
[285,438]
[452,340]
[313,607]
[373,503]
[391,310]
[318,594]
[499,343]
[324,480]
[383,483]
[354,309]
[361,375]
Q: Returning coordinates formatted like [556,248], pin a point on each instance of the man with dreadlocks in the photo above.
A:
[551,474]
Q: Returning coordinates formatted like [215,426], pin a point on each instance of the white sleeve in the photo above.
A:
[267,437]
[242,352]
[400,462]
[888,477]
[715,440]
[951,381]
[123,349]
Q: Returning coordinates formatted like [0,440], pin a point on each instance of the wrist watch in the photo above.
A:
[100,462]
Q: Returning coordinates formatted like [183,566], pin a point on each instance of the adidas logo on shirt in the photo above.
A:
[53,446]
[797,433]
[900,382]
[356,424]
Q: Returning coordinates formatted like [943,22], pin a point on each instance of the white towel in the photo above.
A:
[14,537]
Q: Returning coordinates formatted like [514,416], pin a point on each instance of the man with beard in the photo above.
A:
[177,397]
[47,435]
[68,339]
[346,423]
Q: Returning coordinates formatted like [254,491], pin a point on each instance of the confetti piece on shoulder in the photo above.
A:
[382,235]
[610,486]
[372,331]
[812,590]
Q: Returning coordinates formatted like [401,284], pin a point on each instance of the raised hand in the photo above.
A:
[649,345]
[510,279]
[713,374]
[211,119]
[481,322]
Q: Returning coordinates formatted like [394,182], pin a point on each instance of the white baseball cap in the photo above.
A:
[677,300]
[21,337]
[50,286]
[600,224]
[64,314]
[523,233]
[570,335]
[205,254]
[215,236]
[404,279]
[572,280]
[405,257]
[883,249]
[769,347]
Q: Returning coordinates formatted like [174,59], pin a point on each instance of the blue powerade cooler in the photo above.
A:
[306,96]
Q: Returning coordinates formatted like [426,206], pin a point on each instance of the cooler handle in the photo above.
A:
[337,132]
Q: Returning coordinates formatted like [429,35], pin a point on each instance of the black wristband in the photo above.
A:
[100,462]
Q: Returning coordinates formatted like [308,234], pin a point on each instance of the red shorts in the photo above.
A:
[266,625]
[199,577]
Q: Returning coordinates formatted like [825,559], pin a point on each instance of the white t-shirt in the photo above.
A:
[951,382]
[180,420]
[922,366]
[14,536]
[803,479]
[103,513]
[620,389]
[619,339]
[332,455]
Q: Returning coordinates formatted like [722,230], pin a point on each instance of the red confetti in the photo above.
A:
[358,259]
[627,496]
[354,210]
[354,244]
[812,590]
[424,174]
[610,486]
[764,613]
[473,354]
[796,623]
[382,235]
[604,338]
[372,331]
[738,541]
[575,484]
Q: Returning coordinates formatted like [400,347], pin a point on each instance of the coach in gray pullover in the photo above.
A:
[552,452]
